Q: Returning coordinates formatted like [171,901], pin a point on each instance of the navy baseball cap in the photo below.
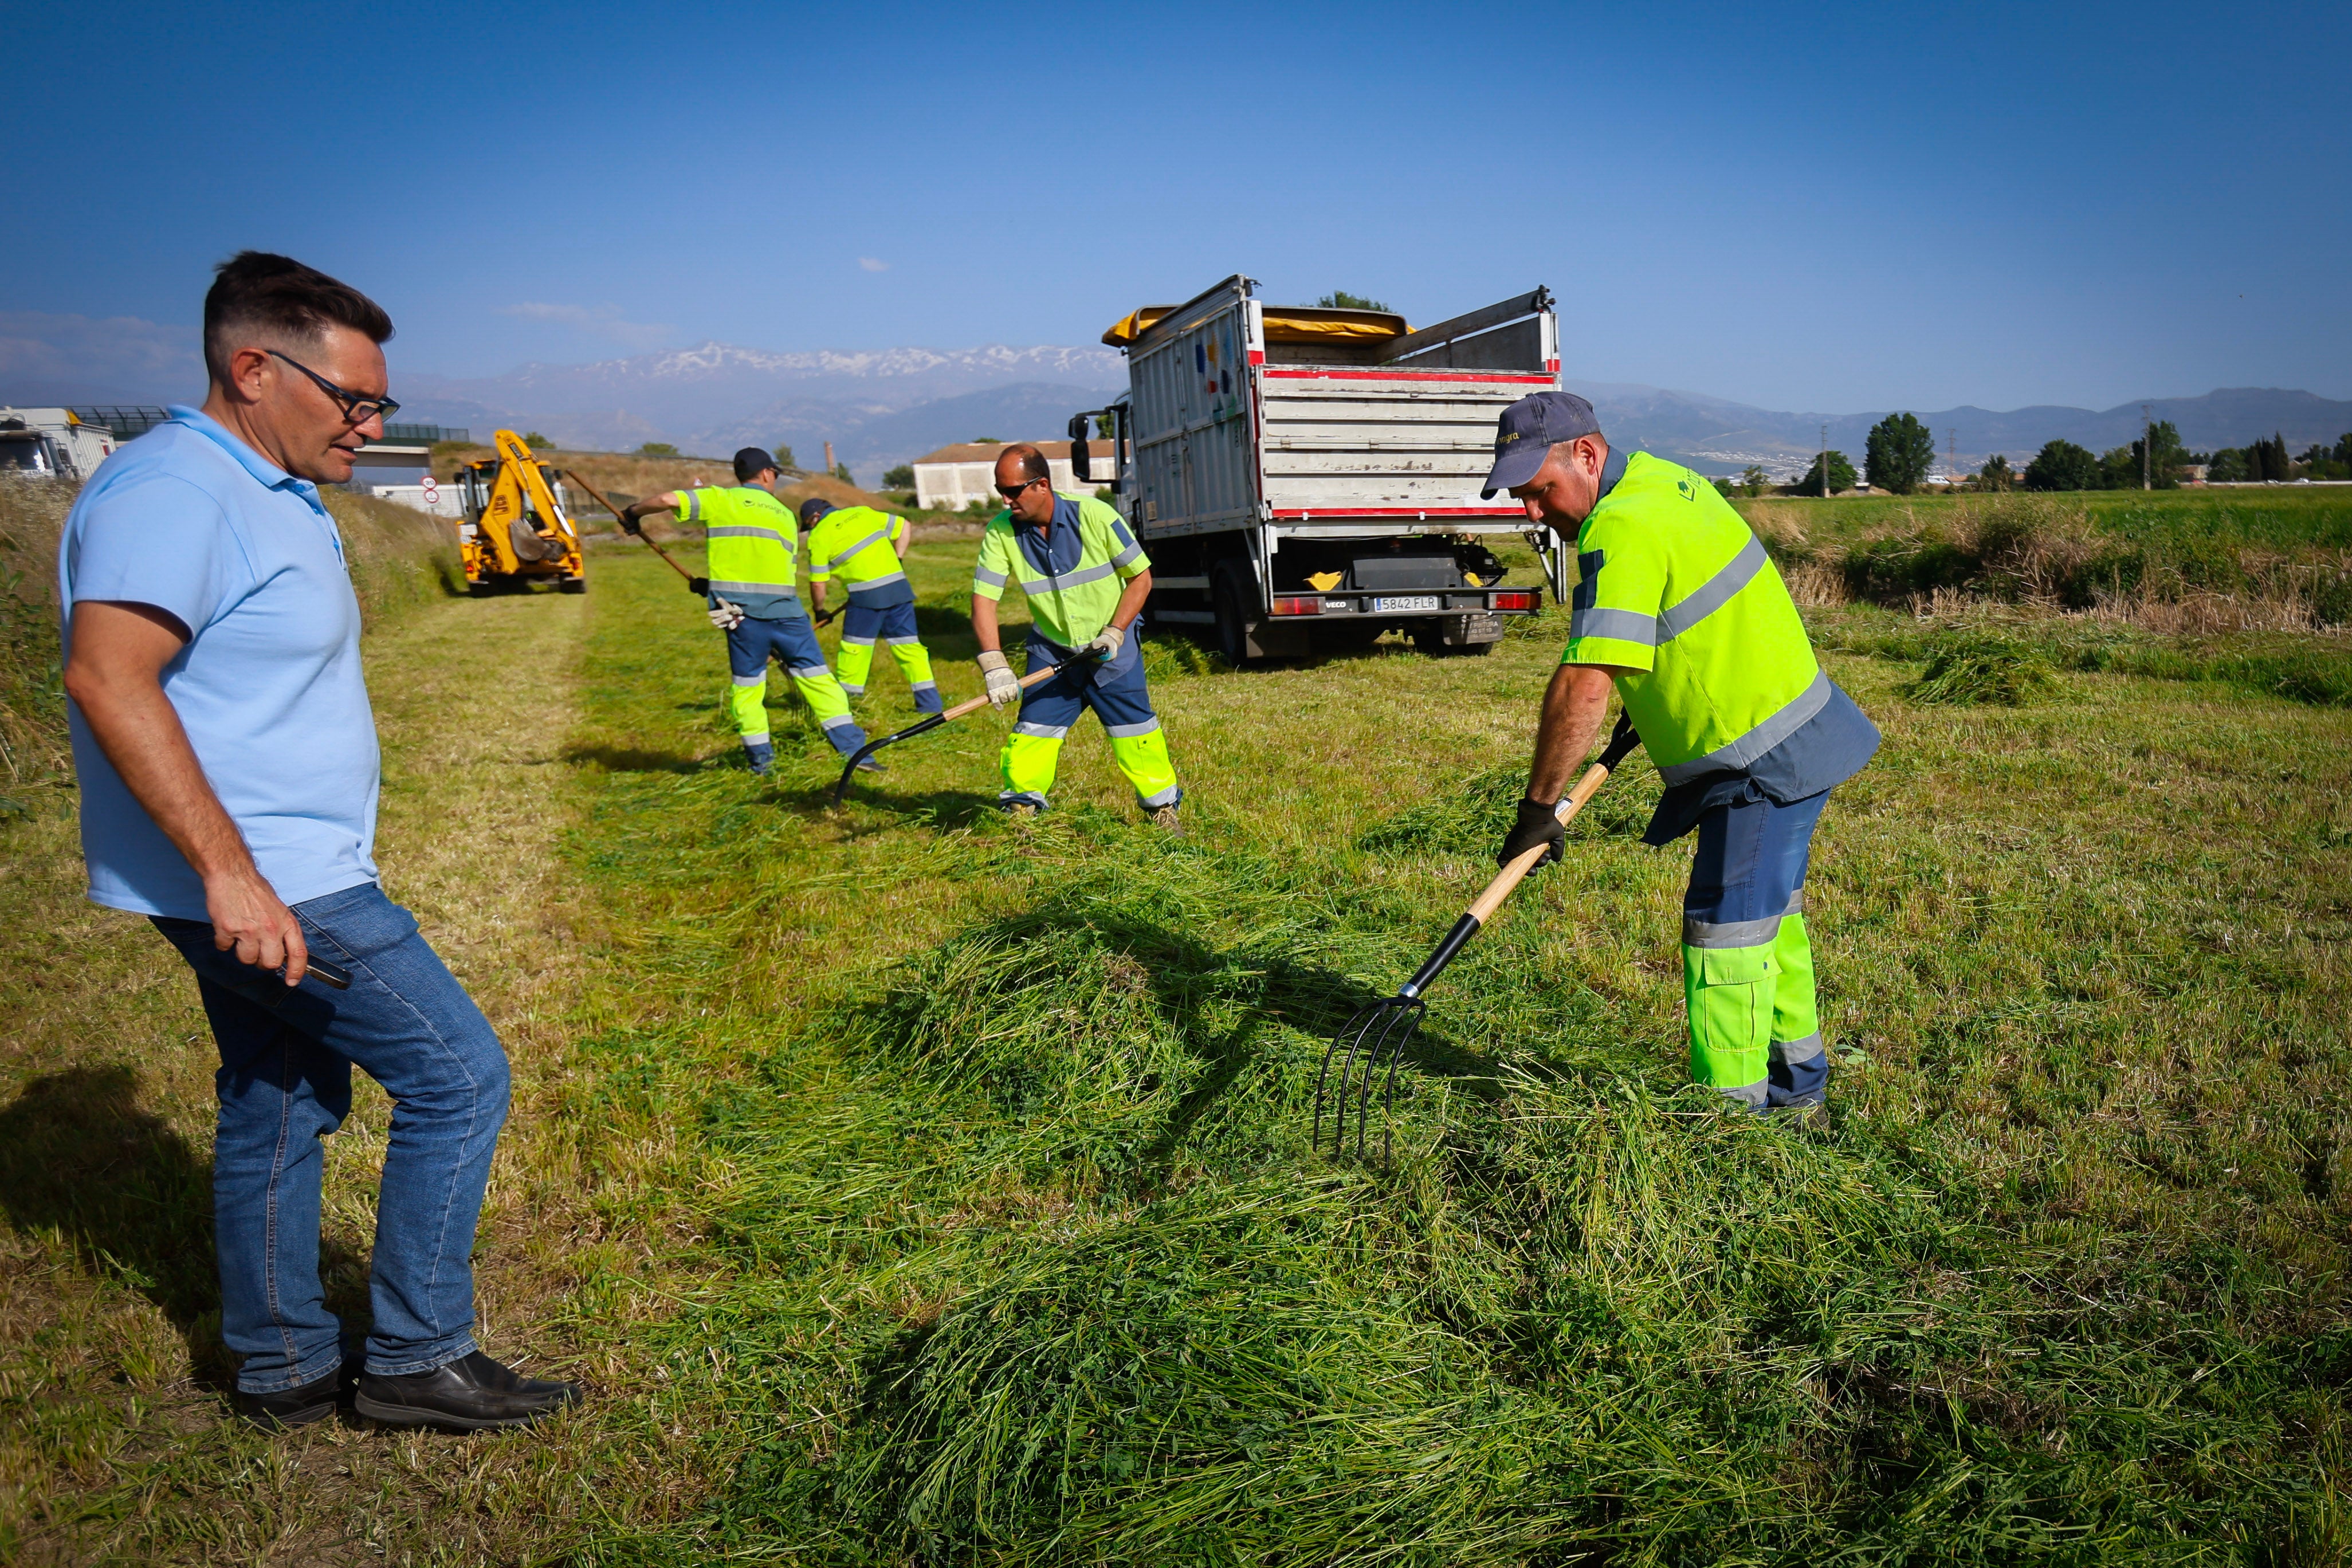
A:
[813,508]
[1526,433]
[751,460]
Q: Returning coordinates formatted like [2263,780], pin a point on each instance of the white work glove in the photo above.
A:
[1107,642]
[1003,687]
[726,616]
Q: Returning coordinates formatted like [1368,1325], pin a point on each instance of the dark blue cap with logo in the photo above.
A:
[1528,431]
[813,508]
[753,461]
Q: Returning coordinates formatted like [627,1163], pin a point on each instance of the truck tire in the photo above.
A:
[574,585]
[1226,595]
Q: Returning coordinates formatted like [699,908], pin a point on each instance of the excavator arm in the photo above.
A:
[515,528]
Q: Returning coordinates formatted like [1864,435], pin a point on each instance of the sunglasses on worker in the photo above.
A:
[1012,492]
[357,409]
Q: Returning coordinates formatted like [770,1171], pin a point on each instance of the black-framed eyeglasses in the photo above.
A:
[1012,492]
[357,409]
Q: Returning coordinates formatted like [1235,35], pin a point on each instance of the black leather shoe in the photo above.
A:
[313,1401]
[466,1395]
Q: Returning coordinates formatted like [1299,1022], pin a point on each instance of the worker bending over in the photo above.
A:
[1086,578]
[1680,607]
[752,599]
[860,546]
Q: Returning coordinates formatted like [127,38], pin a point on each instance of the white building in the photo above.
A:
[54,442]
[955,477]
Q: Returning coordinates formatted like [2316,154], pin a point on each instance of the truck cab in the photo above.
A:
[1307,478]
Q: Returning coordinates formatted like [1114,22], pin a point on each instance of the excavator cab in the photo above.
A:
[516,530]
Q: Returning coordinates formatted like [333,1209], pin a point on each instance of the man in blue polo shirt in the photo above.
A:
[229,767]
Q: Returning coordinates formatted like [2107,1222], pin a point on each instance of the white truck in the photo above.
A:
[1307,478]
[55,443]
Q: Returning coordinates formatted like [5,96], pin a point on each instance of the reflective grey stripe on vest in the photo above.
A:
[992,578]
[1625,625]
[850,551]
[1757,741]
[858,588]
[1128,554]
[1715,592]
[747,531]
[1730,933]
[693,505]
[1068,579]
[780,589]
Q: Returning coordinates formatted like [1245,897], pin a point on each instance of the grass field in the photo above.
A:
[911,1187]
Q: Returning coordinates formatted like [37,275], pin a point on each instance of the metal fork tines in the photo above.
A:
[1382,1029]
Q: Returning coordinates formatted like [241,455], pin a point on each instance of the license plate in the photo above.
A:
[1408,601]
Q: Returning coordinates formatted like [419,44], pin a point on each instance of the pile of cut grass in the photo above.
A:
[1982,664]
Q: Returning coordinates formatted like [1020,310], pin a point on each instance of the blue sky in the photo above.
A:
[1805,207]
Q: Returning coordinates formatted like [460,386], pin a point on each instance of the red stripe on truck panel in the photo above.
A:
[1400,375]
[1341,514]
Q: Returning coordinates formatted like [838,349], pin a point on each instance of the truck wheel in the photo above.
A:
[1233,617]
[574,585]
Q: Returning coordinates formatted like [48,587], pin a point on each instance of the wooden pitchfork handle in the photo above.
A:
[971,704]
[596,496]
[1483,907]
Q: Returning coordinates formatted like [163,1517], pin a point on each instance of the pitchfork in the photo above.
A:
[1388,1026]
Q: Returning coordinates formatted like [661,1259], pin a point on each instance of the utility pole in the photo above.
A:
[1951,459]
[828,457]
[2146,447]
[1825,461]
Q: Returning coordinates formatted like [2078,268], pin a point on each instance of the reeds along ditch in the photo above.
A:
[1589,1307]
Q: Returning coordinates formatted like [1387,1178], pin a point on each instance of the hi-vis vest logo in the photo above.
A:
[1684,486]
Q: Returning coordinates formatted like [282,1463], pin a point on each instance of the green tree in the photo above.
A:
[657,449]
[1842,475]
[2344,448]
[1340,299]
[1754,481]
[1898,454]
[783,452]
[2227,466]
[902,477]
[2272,459]
[1104,425]
[840,472]
[1996,474]
[2063,465]
[2119,467]
[987,441]
[534,440]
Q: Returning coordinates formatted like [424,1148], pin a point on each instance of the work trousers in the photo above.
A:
[792,644]
[1747,968]
[285,1082]
[894,626]
[1117,694]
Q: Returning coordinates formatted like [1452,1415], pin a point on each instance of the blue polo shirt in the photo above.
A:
[190,519]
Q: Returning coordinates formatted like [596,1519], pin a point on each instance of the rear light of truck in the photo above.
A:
[1295,606]
[1523,599]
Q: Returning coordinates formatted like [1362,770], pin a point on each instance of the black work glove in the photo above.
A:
[698,586]
[1537,824]
[632,524]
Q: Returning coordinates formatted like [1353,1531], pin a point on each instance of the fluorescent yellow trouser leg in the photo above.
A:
[1794,1021]
[747,705]
[829,703]
[1144,759]
[1730,993]
[853,663]
[914,659]
[1027,766]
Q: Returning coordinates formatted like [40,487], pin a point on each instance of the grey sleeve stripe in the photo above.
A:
[1625,625]
[1715,592]
[1128,554]
[693,505]
[1730,933]
[994,578]
[1757,741]
[745,531]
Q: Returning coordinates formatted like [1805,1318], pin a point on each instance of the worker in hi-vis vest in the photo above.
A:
[1086,578]
[1680,608]
[752,599]
[860,546]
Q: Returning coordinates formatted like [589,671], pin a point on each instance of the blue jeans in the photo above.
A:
[285,1082]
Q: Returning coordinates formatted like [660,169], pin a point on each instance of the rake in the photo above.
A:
[1386,1027]
[1034,677]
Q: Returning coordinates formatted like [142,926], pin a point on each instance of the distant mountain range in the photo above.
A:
[884,407]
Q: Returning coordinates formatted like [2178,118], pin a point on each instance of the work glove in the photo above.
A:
[698,586]
[1004,686]
[631,523]
[726,616]
[1107,643]
[1537,824]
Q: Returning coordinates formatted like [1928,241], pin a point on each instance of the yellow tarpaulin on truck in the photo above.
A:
[1284,324]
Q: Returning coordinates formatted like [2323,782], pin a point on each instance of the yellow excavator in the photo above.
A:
[516,531]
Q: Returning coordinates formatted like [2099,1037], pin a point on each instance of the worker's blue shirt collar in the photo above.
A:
[1611,471]
[1055,551]
[268,475]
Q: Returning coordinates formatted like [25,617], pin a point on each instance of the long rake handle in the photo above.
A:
[971,704]
[597,496]
[1482,908]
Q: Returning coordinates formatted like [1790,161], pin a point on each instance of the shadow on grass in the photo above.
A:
[632,759]
[133,1199]
[938,808]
